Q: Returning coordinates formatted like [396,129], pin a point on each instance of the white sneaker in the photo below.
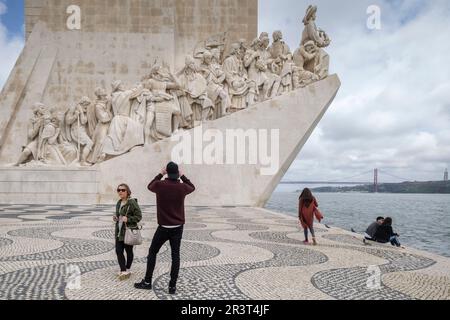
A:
[124,276]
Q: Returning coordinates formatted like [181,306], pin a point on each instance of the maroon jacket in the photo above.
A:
[170,196]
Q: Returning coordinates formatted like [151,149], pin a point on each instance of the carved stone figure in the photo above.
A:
[48,145]
[257,60]
[163,112]
[241,89]
[124,133]
[139,104]
[242,48]
[230,78]
[307,61]
[216,57]
[215,78]
[320,39]
[76,123]
[311,32]
[282,65]
[194,92]
[101,116]
[287,75]
[68,149]
[35,127]
[217,41]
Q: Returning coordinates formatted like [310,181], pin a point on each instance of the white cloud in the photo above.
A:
[10,49]
[3,8]
[393,109]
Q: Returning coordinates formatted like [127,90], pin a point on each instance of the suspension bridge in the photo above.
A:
[375,177]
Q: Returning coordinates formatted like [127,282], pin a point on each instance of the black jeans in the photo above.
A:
[120,248]
[162,235]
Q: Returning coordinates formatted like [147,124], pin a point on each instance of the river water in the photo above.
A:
[422,220]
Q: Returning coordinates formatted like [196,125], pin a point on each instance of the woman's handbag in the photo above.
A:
[133,237]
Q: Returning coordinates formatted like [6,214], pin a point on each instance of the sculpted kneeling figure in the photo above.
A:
[36,123]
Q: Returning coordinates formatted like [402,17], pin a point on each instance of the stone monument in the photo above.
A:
[107,92]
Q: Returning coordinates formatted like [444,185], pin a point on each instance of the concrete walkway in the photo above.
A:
[63,252]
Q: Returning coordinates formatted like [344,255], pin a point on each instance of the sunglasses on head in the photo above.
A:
[121,190]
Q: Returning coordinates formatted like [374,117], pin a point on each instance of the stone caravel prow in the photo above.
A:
[295,115]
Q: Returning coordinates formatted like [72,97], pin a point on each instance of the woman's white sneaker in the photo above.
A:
[124,275]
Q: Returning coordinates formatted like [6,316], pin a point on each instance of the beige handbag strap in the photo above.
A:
[126,214]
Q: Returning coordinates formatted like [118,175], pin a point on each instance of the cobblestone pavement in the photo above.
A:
[67,252]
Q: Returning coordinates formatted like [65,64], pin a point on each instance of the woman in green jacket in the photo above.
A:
[128,214]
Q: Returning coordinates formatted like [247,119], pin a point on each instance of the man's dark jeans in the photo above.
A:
[162,235]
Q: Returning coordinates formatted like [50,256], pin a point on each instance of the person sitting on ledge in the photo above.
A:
[170,195]
[385,233]
[370,232]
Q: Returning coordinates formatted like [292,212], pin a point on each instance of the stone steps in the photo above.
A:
[45,185]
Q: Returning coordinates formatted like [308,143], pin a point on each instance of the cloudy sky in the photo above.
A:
[393,109]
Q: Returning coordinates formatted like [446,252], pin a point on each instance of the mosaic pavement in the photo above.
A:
[67,252]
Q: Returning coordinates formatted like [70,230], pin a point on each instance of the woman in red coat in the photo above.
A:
[307,209]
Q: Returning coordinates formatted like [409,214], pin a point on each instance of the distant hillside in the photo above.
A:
[442,187]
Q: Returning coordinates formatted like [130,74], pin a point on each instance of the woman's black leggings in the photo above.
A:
[305,230]
[120,248]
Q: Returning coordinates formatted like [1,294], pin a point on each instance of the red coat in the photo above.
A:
[306,215]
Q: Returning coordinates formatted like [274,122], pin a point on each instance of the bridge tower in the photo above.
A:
[375,180]
[446,175]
